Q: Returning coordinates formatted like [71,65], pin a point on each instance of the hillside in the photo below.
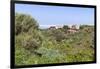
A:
[44,46]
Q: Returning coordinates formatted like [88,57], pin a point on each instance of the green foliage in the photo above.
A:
[65,28]
[23,23]
[44,46]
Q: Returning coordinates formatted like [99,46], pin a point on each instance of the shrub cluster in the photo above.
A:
[43,46]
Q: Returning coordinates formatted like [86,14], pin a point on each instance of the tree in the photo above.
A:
[84,26]
[23,23]
[65,28]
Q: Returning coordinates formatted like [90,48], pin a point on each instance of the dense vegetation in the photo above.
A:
[44,46]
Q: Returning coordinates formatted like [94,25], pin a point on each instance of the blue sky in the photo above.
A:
[56,15]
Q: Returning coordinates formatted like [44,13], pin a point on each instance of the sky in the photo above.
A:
[57,15]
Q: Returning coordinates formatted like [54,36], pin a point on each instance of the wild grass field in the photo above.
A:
[47,46]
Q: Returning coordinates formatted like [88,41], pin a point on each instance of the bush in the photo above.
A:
[23,23]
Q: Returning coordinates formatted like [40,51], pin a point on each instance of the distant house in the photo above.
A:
[59,27]
[73,29]
[55,27]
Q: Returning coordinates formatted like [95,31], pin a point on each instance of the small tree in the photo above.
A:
[65,28]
